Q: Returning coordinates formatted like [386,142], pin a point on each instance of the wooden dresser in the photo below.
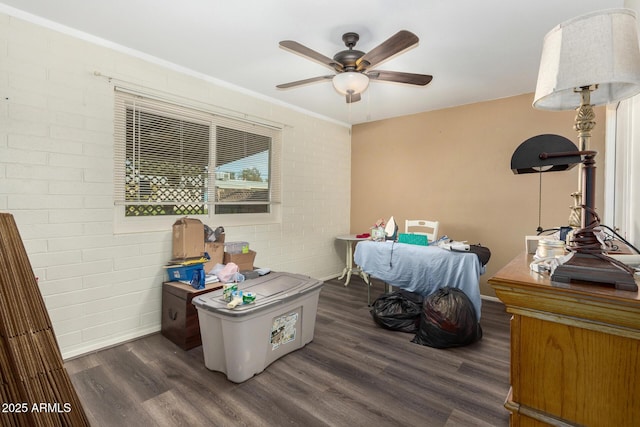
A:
[575,350]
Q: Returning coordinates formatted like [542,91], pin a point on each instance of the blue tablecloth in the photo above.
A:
[421,269]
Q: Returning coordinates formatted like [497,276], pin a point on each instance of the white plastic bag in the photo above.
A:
[229,273]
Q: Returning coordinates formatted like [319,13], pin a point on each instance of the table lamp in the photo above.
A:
[589,60]
[593,59]
[526,159]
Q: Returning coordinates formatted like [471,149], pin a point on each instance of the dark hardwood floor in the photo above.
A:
[353,373]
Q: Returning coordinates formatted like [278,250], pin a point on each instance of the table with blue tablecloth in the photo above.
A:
[421,269]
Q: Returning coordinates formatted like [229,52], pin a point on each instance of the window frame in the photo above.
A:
[132,224]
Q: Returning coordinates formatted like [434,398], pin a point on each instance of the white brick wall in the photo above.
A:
[56,178]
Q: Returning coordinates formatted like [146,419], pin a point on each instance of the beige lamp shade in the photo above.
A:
[599,48]
[350,82]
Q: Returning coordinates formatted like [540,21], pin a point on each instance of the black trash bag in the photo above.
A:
[448,319]
[398,311]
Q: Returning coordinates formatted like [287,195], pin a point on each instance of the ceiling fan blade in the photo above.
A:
[352,97]
[304,82]
[400,77]
[400,41]
[296,47]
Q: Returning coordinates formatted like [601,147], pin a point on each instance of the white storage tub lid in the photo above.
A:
[271,289]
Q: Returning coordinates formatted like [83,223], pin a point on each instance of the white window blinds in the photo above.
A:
[172,160]
[247,167]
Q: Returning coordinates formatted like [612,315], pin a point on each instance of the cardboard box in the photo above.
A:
[216,252]
[188,238]
[243,261]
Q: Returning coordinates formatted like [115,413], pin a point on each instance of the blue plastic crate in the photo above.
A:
[183,272]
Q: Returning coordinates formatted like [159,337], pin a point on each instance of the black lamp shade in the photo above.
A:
[526,158]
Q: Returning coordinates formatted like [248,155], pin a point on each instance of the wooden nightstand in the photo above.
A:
[575,350]
[179,316]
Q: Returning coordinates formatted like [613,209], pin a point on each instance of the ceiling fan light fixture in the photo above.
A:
[350,82]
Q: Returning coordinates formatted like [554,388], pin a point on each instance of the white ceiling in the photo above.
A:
[476,50]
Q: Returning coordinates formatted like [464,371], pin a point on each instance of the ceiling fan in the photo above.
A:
[355,68]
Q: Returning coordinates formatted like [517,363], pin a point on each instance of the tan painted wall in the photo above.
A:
[453,165]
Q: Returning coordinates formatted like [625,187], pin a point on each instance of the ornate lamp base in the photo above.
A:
[575,218]
[588,262]
[594,268]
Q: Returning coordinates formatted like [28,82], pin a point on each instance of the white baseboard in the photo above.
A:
[103,345]
[490,298]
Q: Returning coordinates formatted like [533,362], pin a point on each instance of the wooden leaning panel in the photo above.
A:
[34,385]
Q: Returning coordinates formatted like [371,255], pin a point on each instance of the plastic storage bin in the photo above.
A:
[184,273]
[236,247]
[243,341]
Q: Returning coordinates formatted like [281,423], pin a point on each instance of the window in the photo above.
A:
[242,164]
[172,160]
[166,165]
